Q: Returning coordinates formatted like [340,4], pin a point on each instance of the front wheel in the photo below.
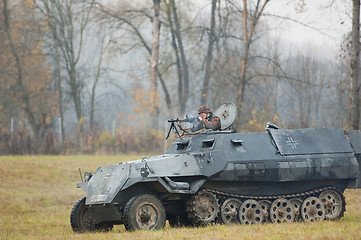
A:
[145,212]
[82,220]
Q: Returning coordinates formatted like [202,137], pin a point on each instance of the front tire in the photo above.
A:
[145,212]
[82,220]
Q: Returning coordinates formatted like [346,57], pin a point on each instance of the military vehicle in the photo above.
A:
[226,177]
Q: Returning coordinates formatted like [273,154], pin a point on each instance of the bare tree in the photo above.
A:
[127,19]
[308,89]
[95,84]
[46,9]
[26,66]
[180,55]
[176,53]
[248,32]
[68,20]
[154,61]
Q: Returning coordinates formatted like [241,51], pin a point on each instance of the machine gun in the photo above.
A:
[186,119]
[227,113]
[177,120]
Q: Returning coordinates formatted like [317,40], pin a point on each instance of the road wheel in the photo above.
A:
[334,203]
[251,212]
[282,211]
[229,211]
[145,212]
[297,203]
[265,205]
[312,210]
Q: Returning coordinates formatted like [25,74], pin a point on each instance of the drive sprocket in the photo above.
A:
[202,208]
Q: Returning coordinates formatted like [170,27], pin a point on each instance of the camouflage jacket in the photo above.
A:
[212,122]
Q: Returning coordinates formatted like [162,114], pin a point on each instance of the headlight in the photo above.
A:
[87,176]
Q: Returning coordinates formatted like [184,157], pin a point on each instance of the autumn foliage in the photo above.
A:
[87,76]
[25,75]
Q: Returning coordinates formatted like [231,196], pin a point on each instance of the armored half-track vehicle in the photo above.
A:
[226,177]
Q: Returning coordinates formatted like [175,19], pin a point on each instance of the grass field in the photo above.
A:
[37,194]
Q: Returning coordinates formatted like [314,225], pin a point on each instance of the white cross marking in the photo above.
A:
[291,142]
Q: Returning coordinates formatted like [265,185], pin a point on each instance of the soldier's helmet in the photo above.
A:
[204,109]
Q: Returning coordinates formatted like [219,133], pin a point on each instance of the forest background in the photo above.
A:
[86,76]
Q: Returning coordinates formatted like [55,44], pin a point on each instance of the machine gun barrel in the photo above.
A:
[174,120]
[180,120]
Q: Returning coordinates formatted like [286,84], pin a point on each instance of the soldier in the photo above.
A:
[206,120]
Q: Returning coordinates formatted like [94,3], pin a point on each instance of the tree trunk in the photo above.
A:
[60,98]
[246,44]
[75,94]
[176,53]
[185,74]
[92,97]
[154,63]
[207,77]
[355,62]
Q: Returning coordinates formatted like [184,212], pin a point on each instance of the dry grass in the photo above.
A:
[38,192]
